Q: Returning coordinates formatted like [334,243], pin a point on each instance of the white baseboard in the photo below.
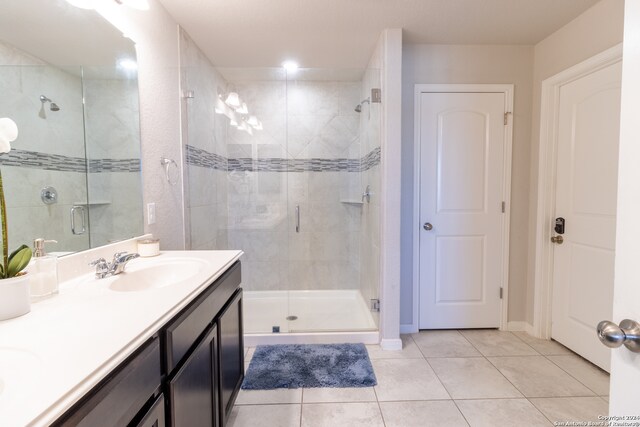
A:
[408,328]
[520,326]
[391,344]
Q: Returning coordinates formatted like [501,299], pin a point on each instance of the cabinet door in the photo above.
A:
[231,357]
[155,415]
[192,390]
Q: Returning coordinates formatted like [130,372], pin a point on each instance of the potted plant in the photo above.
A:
[14,282]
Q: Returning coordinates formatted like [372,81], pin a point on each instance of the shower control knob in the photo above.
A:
[427,226]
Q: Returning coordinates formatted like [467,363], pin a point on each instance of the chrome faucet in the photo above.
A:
[120,260]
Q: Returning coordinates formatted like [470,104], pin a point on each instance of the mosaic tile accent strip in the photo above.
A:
[114,165]
[205,159]
[37,160]
[60,163]
[202,158]
[370,160]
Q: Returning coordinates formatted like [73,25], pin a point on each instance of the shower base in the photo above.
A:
[320,317]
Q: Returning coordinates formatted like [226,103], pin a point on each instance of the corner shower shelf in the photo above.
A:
[351,201]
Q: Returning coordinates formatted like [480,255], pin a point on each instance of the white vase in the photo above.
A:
[14,297]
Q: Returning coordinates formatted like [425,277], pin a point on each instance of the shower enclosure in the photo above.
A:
[287,187]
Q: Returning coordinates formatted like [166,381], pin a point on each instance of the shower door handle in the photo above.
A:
[73,220]
[297,218]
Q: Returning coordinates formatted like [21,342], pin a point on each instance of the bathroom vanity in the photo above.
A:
[159,345]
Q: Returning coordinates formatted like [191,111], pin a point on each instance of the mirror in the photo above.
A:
[68,80]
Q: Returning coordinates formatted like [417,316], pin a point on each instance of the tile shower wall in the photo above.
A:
[113,149]
[311,132]
[43,133]
[205,133]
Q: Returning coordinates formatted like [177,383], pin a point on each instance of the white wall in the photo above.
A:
[156,36]
[471,64]
[594,31]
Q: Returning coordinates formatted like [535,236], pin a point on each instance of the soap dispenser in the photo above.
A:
[43,270]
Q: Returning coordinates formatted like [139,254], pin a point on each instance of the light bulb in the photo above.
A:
[128,64]
[242,109]
[253,121]
[233,100]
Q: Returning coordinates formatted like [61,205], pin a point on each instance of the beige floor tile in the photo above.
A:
[444,344]
[407,379]
[501,412]
[605,398]
[327,395]
[472,378]
[268,397]
[585,372]
[491,342]
[544,347]
[535,376]
[249,354]
[409,350]
[572,408]
[265,415]
[341,414]
[434,413]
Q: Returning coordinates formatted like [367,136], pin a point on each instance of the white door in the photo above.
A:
[586,189]
[462,139]
[625,365]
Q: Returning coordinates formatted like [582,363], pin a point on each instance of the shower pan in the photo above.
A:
[290,197]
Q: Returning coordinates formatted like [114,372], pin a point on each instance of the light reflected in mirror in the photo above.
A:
[68,80]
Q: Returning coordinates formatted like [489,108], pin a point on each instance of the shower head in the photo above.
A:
[358,108]
[53,106]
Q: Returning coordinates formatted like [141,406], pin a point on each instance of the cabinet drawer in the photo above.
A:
[184,331]
[120,396]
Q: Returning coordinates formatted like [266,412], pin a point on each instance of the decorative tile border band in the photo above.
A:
[203,158]
[60,163]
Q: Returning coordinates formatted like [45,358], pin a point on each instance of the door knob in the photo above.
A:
[557,239]
[613,336]
[427,226]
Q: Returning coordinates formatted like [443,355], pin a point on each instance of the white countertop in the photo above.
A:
[54,355]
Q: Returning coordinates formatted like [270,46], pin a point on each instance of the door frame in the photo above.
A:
[507,90]
[545,202]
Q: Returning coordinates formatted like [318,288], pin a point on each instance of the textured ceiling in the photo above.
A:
[342,33]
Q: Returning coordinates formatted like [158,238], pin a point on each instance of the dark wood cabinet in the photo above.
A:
[155,416]
[192,391]
[127,390]
[231,354]
[188,375]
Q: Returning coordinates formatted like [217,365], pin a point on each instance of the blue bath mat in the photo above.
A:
[309,365]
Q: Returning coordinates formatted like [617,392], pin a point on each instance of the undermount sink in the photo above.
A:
[143,275]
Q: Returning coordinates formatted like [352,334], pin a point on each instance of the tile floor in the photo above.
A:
[446,378]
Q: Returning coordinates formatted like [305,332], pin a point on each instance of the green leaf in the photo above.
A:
[1,271]
[18,260]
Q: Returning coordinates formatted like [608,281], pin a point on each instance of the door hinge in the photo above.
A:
[506,117]
[504,207]
[375,305]
[501,292]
